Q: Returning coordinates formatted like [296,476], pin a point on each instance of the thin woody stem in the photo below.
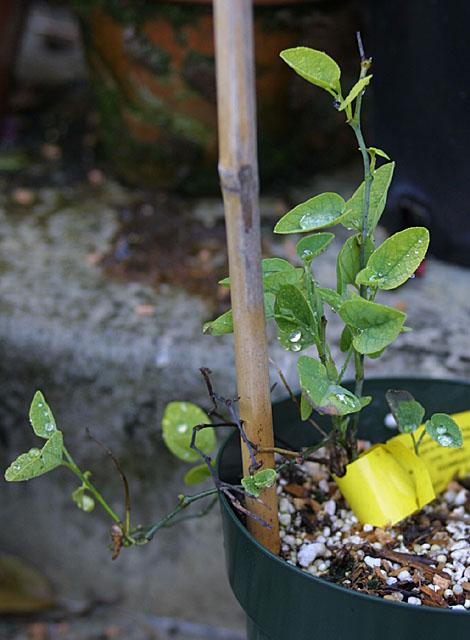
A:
[127,497]
[184,502]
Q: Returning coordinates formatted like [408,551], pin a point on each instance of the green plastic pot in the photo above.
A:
[284,603]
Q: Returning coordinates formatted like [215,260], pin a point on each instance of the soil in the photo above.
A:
[424,560]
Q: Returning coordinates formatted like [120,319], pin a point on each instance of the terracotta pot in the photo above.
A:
[153,71]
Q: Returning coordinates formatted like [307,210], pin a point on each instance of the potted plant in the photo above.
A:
[395,561]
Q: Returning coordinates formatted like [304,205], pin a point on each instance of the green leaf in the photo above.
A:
[311,246]
[374,326]
[444,431]
[407,411]
[374,151]
[348,262]
[37,461]
[365,401]
[324,210]
[354,208]
[325,396]
[83,500]
[220,326]
[269,266]
[276,273]
[333,299]
[178,422]
[257,483]
[345,339]
[41,418]
[305,408]
[272,282]
[355,91]
[314,66]
[396,259]
[196,475]
[294,319]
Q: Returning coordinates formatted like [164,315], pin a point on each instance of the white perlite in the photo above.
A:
[405,576]
[330,507]
[322,531]
[372,562]
[310,552]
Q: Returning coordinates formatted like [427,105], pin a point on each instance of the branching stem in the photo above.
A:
[70,464]
[184,502]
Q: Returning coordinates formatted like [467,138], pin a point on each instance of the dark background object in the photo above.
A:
[12,14]
[421,53]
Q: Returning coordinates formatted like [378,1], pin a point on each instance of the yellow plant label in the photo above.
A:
[386,484]
[443,464]
[389,482]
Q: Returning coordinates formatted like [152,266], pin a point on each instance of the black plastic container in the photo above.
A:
[284,603]
[421,62]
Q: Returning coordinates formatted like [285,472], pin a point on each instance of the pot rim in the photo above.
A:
[421,610]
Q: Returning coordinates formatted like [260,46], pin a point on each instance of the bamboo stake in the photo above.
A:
[238,172]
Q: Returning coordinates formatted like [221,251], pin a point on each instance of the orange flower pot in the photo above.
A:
[153,71]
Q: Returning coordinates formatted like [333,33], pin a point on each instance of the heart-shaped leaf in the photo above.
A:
[325,396]
[354,208]
[178,421]
[444,431]
[324,210]
[374,326]
[407,411]
[396,259]
[41,418]
[314,66]
[258,482]
[311,246]
[355,91]
[37,461]
[294,318]
[196,475]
